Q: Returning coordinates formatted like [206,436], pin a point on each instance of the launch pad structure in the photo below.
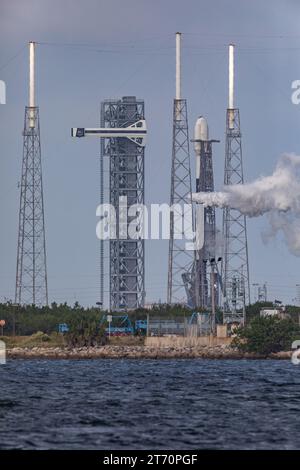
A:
[123,132]
[126,185]
[235,265]
[181,260]
[190,269]
[123,138]
[188,275]
[31,274]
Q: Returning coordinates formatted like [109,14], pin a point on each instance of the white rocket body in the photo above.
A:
[199,216]
[201,134]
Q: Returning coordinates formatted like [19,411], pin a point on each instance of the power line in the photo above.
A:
[254,36]
[12,58]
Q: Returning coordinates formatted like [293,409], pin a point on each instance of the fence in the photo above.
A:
[196,325]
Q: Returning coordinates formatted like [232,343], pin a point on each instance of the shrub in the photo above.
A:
[85,330]
[265,335]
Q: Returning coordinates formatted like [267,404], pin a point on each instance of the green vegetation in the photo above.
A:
[35,326]
[39,326]
[31,319]
[85,330]
[265,335]
[57,340]
[253,310]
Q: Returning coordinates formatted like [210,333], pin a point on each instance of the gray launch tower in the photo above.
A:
[126,188]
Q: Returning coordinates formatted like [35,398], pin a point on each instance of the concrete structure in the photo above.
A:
[181,341]
[222,331]
[274,312]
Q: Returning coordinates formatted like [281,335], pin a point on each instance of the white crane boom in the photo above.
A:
[136,132]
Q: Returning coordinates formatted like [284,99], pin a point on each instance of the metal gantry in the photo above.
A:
[181,259]
[31,276]
[235,266]
[126,188]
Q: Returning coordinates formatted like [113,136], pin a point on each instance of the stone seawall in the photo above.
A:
[137,352]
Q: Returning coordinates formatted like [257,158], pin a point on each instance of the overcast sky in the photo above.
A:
[127,48]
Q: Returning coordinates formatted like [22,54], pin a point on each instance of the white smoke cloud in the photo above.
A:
[277,194]
[289,225]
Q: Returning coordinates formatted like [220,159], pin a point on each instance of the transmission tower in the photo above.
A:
[180,259]
[31,276]
[235,266]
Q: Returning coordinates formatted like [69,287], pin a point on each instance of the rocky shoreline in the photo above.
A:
[138,352]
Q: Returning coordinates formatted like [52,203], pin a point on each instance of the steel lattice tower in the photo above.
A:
[101,241]
[126,170]
[180,259]
[31,276]
[235,266]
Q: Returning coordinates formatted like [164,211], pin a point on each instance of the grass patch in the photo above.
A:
[38,339]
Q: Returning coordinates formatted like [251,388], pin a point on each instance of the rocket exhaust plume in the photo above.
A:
[277,194]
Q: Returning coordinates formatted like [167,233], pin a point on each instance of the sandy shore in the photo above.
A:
[138,352]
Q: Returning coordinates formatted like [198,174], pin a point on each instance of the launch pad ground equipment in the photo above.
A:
[119,325]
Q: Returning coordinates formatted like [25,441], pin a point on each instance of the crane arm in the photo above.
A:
[136,132]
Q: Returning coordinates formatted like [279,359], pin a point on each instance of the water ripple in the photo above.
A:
[144,404]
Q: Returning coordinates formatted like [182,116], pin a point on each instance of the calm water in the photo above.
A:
[128,404]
